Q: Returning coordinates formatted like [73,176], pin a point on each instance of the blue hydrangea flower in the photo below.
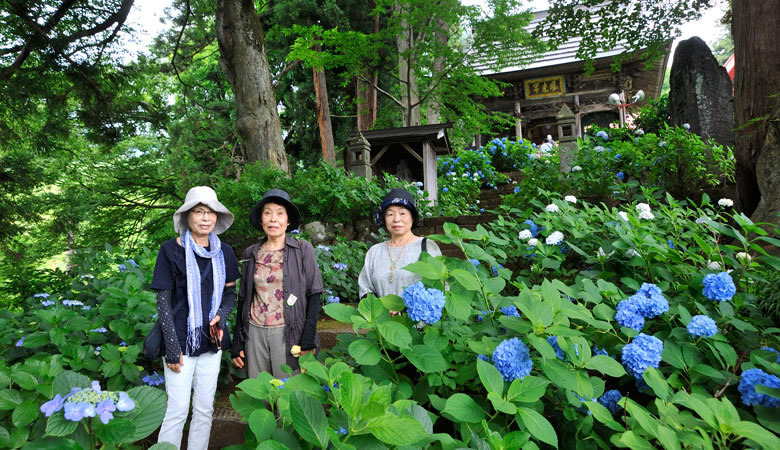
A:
[747,387]
[41,295]
[20,342]
[483,358]
[105,410]
[770,349]
[719,287]
[340,266]
[122,267]
[650,301]
[445,189]
[326,388]
[603,135]
[46,303]
[99,330]
[53,405]
[333,299]
[598,148]
[532,227]
[474,261]
[620,175]
[642,352]
[516,190]
[610,400]
[702,326]
[553,340]
[670,243]
[495,269]
[154,379]
[600,351]
[423,304]
[323,247]
[132,263]
[342,430]
[67,302]
[512,359]
[510,310]
[628,316]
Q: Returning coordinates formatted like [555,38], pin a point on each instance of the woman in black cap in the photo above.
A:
[279,295]
[383,272]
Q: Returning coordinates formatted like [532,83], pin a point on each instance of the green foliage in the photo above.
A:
[339,281]
[654,117]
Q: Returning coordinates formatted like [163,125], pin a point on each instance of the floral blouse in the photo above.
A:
[267,303]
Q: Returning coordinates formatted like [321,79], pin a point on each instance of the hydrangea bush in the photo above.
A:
[562,370]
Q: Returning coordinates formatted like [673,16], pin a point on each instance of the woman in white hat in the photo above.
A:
[195,279]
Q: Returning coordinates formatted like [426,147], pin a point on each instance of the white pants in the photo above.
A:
[198,374]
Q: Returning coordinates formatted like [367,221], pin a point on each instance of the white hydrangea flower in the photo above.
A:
[525,234]
[630,253]
[601,253]
[552,207]
[576,169]
[744,257]
[623,215]
[642,207]
[687,126]
[570,199]
[555,238]
[714,265]
[727,202]
[639,132]
[700,220]
[647,215]
[532,242]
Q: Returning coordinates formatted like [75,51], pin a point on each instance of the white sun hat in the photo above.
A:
[206,196]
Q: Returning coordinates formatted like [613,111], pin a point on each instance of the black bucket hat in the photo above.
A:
[279,197]
[398,197]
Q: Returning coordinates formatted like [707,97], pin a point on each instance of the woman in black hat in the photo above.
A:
[279,295]
[383,272]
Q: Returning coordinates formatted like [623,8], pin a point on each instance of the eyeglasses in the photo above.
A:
[203,213]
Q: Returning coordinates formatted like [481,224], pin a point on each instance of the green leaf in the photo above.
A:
[395,333]
[426,359]
[305,383]
[5,437]
[538,426]
[262,423]
[603,415]
[393,302]
[9,399]
[339,312]
[634,441]
[757,434]
[462,408]
[372,310]
[643,417]
[163,446]
[495,285]
[147,415]
[527,390]
[657,383]
[559,374]
[66,380]
[37,339]
[606,365]
[395,430]
[270,445]
[365,352]
[25,380]
[57,425]
[424,270]
[309,419]
[351,394]
[25,413]
[255,387]
[501,405]
[490,377]
[115,431]
[466,279]
[668,438]
[77,323]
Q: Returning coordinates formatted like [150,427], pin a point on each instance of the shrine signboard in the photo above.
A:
[544,87]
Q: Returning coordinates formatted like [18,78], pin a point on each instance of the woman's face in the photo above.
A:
[201,220]
[398,220]
[275,220]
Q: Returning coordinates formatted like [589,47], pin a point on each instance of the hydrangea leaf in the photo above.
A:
[262,423]
[657,383]
[501,405]
[351,394]
[668,438]
[372,310]
[309,419]
[57,425]
[643,417]
[559,374]
[462,408]
[271,445]
[527,390]
[424,270]
[466,279]
[147,415]
[25,413]
[25,380]
[395,333]
[339,312]
[756,433]
[606,365]
[116,431]
[397,430]
[392,302]
[66,380]
[603,415]
[314,368]
[768,417]
[365,352]
[255,387]
[37,339]
[9,399]
[539,427]
[426,359]
[491,378]
[308,384]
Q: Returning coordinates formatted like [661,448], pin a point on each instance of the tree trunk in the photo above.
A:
[323,114]
[243,61]
[406,60]
[757,107]
[366,95]
[434,101]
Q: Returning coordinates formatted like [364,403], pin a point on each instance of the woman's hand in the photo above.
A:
[214,321]
[177,367]
[239,362]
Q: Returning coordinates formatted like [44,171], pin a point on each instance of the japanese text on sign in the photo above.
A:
[544,87]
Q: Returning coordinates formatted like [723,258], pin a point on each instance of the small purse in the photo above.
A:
[153,344]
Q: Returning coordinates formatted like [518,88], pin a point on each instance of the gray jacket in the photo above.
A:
[301,278]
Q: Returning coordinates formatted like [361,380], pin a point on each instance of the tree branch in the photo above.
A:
[178,42]
[286,69]
[389,95]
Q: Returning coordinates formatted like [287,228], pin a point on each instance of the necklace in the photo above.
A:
[393,262]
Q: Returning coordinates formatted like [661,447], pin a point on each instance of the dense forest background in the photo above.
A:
[97,147]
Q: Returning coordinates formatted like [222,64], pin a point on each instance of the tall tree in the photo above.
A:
[756,85]
[243,59]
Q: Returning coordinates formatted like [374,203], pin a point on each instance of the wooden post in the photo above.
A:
[518,123]
[430,181]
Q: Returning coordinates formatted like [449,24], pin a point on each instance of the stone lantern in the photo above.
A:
[567,137]
[360,156]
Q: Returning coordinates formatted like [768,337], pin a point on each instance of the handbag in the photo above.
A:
[153,344]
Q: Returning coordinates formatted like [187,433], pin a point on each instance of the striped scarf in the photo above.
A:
[195,317]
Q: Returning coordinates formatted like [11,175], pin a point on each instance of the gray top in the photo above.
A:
[375,275]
